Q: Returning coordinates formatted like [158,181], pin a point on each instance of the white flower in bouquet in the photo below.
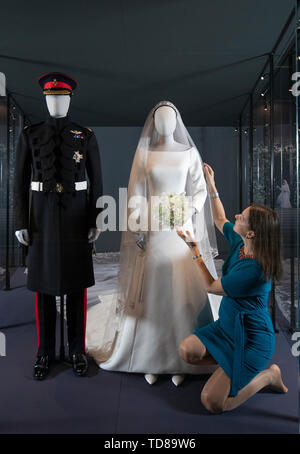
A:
[172,209]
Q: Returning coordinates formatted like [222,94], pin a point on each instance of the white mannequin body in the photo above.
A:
[165,124]
[58,106]
[159,292]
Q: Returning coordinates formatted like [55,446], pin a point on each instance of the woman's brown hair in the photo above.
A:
[267,241]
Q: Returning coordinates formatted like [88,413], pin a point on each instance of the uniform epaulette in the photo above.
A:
[82,127]
[25,127]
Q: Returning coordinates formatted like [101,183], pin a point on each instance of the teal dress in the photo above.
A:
[242,340]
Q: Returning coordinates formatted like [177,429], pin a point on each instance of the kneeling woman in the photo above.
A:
[242,340]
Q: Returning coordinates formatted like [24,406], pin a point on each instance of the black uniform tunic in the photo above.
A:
[59,256]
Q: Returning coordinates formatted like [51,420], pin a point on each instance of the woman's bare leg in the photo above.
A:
[215,394]
[193,351]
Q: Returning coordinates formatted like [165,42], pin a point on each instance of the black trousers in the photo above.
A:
[45,309]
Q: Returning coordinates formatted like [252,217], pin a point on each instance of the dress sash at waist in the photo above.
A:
[239,346]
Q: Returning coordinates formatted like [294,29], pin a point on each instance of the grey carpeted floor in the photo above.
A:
[119,403]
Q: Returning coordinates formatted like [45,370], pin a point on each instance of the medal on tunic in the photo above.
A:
[77,134]
[77,156]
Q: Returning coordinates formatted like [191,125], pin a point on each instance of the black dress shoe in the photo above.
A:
[41,367]
[80,364]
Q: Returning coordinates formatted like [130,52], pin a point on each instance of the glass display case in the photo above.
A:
[3,185]
[269,162]
[12,254]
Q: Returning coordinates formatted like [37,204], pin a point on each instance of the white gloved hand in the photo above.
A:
[23,236]
[93,234]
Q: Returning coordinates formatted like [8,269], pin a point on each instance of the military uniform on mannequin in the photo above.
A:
[59,225]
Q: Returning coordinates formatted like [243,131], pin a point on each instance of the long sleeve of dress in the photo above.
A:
[198,184]
[94,172]
[22,178]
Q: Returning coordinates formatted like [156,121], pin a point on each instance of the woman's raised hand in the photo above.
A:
[209,175]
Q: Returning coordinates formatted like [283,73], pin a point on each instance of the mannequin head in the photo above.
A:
[165,120]
[58,105]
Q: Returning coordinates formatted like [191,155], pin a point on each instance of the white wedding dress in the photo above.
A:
[283,200]
[172,302]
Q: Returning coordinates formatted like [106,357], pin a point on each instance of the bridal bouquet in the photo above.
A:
[172,209]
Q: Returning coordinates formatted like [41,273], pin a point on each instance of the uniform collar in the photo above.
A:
[59,123]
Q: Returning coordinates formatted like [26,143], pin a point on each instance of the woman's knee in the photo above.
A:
[191,349]
[211,404]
